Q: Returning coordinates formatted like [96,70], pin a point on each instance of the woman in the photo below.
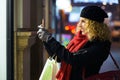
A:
[88,49]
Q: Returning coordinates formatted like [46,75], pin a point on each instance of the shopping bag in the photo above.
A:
[50,69]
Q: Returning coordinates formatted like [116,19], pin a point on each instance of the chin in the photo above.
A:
[83,33]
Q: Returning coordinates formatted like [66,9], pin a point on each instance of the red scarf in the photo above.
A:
[75,44]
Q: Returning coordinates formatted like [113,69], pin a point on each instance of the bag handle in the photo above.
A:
[53,57]
[114,62]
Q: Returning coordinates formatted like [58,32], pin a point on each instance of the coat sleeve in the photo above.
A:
[90,55]
[50,52]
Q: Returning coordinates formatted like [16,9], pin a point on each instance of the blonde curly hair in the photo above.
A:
[97,30]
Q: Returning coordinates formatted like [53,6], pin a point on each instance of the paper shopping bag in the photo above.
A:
[49,71]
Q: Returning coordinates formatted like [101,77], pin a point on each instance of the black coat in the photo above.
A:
[90,57]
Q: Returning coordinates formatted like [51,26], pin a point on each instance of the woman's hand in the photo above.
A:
[43,34]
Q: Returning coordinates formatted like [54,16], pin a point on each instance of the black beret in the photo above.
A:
[94,13]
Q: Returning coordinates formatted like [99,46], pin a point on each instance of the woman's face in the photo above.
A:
[81,25]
